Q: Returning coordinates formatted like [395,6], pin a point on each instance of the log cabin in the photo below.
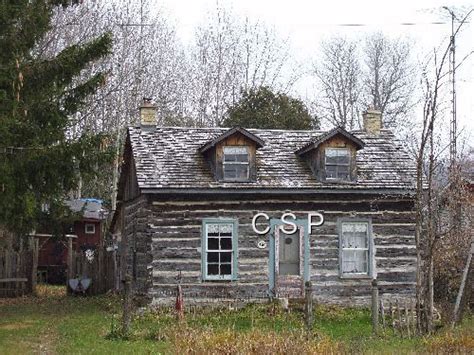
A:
[204,206]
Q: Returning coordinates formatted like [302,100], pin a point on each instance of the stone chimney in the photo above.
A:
[372,121]
[147,114]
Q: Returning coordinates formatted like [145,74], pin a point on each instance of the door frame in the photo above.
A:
[273,259]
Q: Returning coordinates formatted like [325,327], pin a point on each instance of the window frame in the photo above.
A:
[349,174]
[247,164]
[88,225]
[370,246]
[204,249]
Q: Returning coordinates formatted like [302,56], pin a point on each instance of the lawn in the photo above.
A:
[54,323]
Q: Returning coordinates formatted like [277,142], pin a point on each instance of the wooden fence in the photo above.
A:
[400,316]
[98,265]
[18,271]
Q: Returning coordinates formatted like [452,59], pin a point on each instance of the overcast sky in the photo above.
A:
[307,22]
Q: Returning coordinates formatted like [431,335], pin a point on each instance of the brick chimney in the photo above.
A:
[372,121]
[147,114]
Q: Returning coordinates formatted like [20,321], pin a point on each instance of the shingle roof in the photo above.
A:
[90,207]
[169,158]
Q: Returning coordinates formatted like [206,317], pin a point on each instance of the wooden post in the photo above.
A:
[375,308]
[127,305]
[116,272]
[407,319]
[457,306]
[69,263]
[34,268]
[413,316]
[399,316]
[382,313]
[308,309]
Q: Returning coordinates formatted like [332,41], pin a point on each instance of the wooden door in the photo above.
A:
[289,263]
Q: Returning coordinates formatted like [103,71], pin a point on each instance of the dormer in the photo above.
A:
[332,156]
[231,156]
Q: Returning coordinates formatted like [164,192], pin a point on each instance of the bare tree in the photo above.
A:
[338,72]
[388,79]
[231,54]
[353,77]
[428,198]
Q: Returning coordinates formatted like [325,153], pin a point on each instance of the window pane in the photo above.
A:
[354,261]
[226,243]
[241,171]
[212,229]
[343,159]
[331,171]
[213,269]
[226,257]
[343,175]
[225,229]
[235,150]
[236,171]
[354,241]
[226,269]
[230,171]
[213,244]
[212,257]
[360,227]
[244,158]
[354,235]
[331,160]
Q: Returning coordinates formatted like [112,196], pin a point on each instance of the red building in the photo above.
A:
[86,233]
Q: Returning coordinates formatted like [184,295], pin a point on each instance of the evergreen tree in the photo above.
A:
[261,108]
[40,159]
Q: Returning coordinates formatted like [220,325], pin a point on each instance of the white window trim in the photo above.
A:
[224,163]
[234,258]
[348,164]
[370,248]
[89,225]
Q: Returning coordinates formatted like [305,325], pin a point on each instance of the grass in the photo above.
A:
[54,323]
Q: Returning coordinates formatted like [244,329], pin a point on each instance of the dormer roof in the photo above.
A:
[208,145]
[314,144]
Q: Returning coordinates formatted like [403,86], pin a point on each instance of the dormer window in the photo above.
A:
[232,155]
[337,164]
[236,163]
[332,156]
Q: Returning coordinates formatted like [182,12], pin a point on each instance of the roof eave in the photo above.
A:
[280,191]
[338,130]
[259,142]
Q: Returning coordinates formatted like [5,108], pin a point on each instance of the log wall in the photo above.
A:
[168,229]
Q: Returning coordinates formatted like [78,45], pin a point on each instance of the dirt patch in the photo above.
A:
[16,326]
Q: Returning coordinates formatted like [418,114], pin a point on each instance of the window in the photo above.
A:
[337,164]
[90,228]
[355,248]
[219,252]
[236,163]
